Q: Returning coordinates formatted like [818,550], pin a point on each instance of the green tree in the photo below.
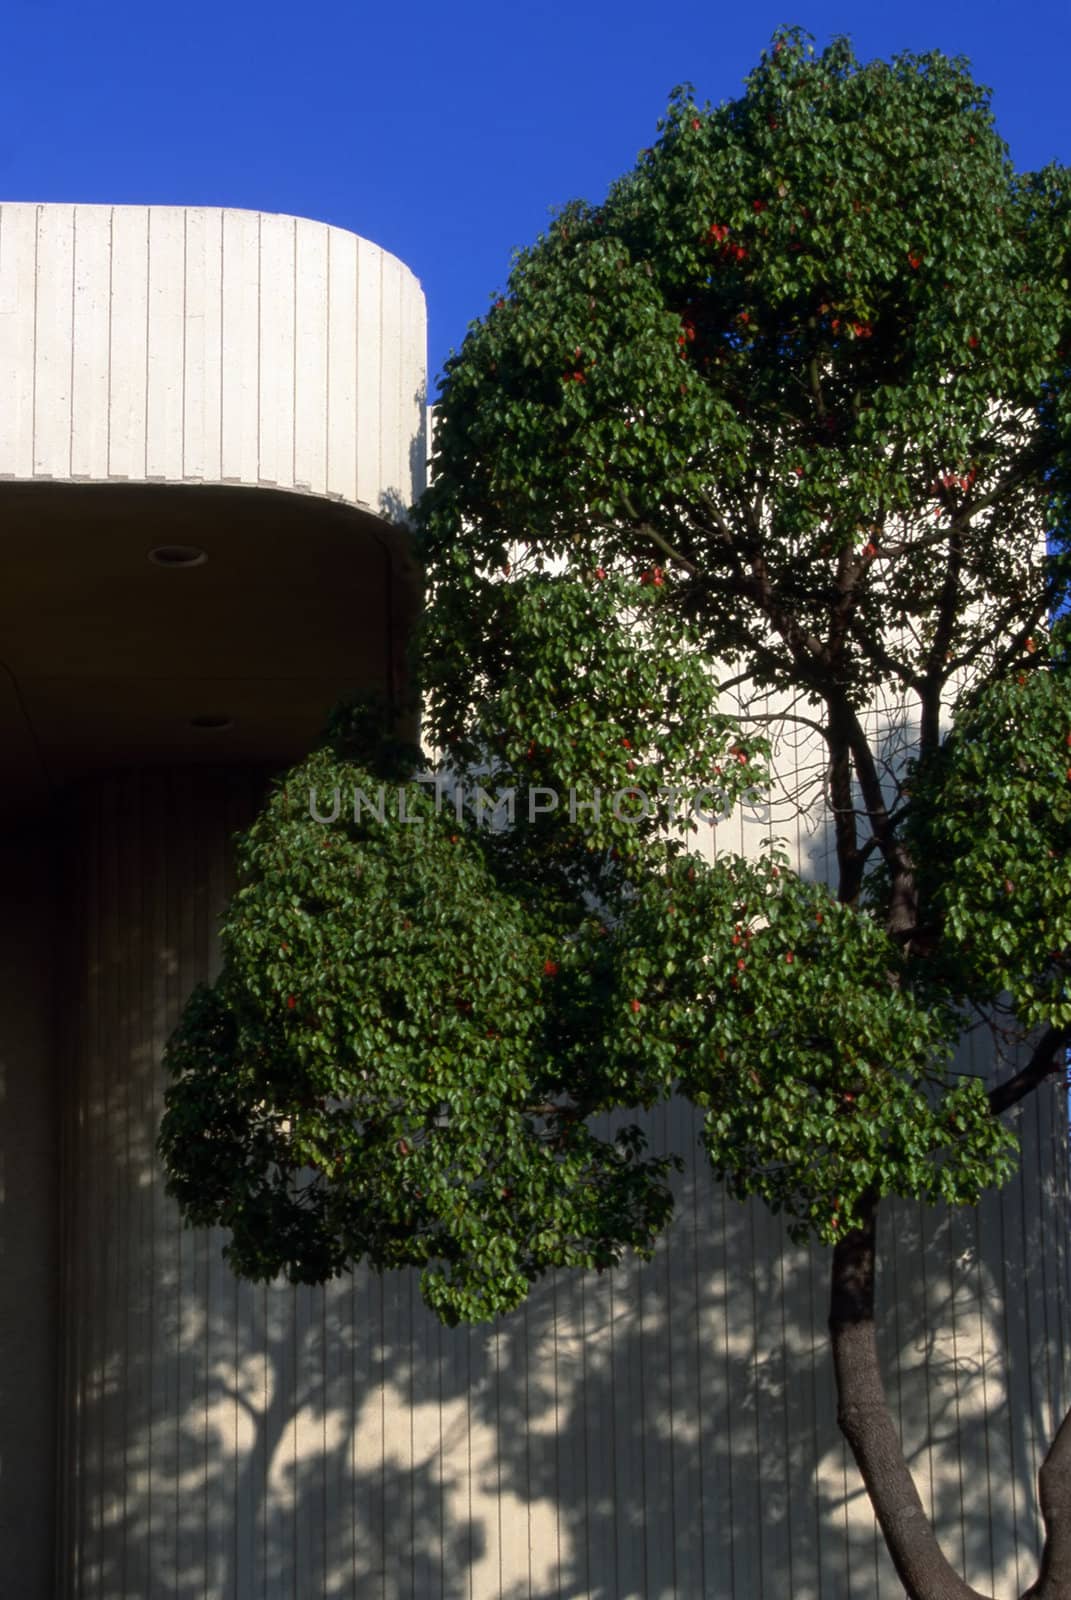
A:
[787,410]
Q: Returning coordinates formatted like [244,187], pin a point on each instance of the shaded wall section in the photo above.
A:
[659,1431]
[29,1204]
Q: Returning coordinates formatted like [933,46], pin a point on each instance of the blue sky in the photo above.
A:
[445,132]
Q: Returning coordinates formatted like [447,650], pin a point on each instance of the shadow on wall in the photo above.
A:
[664,1430]
[29,1187]
[392,507]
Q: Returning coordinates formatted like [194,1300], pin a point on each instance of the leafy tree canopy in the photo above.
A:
[786,409]
[768,440]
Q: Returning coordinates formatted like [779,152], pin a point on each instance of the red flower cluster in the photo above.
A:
[952,481]
[719,233]
[576,376]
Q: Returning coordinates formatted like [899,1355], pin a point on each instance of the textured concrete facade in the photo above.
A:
[172,345]
[252,387]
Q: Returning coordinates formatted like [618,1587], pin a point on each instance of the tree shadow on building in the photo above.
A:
[663,1430]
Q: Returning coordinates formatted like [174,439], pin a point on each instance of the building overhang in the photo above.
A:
[244,385]
[116,653]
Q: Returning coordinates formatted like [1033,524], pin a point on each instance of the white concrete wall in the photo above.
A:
[661,1431]
[188,345]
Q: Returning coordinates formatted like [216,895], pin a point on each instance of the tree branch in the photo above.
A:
[849,861]
[933,681]
[1042,1064]
[646,530]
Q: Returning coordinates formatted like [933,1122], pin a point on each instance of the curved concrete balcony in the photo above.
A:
[245,387]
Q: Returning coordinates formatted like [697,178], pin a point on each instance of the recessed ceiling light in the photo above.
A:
[212,723]
[178,555]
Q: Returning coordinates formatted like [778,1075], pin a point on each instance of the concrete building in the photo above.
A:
[208,423]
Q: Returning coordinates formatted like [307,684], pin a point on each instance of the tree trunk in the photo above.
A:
[866,1422]
[1054,1493]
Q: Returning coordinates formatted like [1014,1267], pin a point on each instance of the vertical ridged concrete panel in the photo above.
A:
[30,1086]
[186,345]
[661,1431]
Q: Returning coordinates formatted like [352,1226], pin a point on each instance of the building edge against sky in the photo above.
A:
[210,421]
